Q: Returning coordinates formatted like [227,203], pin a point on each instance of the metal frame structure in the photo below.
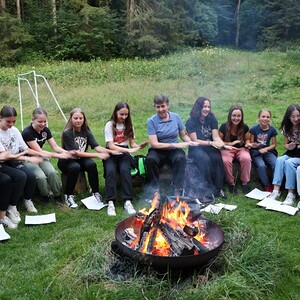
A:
[22,77]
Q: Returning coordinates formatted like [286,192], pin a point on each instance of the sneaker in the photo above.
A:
[14,215]
[70,201]
[129,208]
[7,222]
[289,200]
[29,206]
[245,188]
[298,205]
[111,211]
[274,195]
[221,194]
[98,197]
[269,188]
[232,190]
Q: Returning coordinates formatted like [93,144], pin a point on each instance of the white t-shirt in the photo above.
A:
[119,139]
[1,148]
[12,141]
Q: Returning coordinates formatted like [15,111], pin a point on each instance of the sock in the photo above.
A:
[12,207]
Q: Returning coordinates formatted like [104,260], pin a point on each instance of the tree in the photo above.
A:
[13,39]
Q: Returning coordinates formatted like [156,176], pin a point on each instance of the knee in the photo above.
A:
[74,168]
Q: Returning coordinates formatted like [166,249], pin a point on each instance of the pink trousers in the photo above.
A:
[243,156]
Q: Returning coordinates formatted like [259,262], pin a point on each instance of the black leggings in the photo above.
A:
[12,183]
[72,168]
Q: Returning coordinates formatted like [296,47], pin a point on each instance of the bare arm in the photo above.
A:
[166,146]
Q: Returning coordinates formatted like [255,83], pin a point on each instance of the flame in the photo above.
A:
[176,214]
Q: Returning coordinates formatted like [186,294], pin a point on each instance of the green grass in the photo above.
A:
[71,259]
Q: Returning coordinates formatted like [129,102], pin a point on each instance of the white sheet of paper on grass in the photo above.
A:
[40,219]
[92,203]
[3,234]
[277,206]
[257,194]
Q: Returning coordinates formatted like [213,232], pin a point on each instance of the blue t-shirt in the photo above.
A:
[262,137]
[166,131]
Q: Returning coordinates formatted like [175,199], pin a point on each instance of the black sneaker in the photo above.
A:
[232,190]
[245,189]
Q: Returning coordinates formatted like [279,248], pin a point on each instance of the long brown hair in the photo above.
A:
[128,133]
[286,122]
[240,127]
[69,124]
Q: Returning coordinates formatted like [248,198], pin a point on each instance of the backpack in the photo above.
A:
[138,166]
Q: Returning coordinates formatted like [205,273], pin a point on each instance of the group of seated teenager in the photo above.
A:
[24,164]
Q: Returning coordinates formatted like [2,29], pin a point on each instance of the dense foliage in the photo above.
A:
[86,29]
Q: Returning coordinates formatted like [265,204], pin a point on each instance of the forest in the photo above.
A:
[84,30]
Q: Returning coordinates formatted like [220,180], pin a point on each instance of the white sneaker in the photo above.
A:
[111,211]
[98,197]
[274,195]
[29,206]
[129,207]
[298,205]
[289,200]
[7,222]
[14,215]
[69,200]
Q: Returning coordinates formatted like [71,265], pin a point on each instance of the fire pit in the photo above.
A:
[169,234]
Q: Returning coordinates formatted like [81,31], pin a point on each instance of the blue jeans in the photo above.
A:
[286,165]
[262,161]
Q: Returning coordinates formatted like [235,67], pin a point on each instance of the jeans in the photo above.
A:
[298,180]
[262,161]
[286,166]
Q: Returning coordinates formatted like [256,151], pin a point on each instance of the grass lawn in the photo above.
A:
[71,258]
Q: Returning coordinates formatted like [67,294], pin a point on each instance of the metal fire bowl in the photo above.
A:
[214,233]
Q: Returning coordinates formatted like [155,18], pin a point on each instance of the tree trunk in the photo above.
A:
[18,4]
[54,16]
[2,5]
[237,35]
[130,11]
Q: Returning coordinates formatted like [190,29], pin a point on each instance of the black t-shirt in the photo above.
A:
[73,140]
[29,135]
[233,138]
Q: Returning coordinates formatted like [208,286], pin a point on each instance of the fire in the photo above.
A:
[167,230]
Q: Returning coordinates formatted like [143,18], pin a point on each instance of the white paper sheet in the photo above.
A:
[227,206]
[3,234]
[257,194]
[92,203]
[267,201]
[282,208]
[41,219]
[213,209]
[277,206]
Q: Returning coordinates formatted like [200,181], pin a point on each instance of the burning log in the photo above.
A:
[177,242]
[128,236]
[156,221]
[146,228]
